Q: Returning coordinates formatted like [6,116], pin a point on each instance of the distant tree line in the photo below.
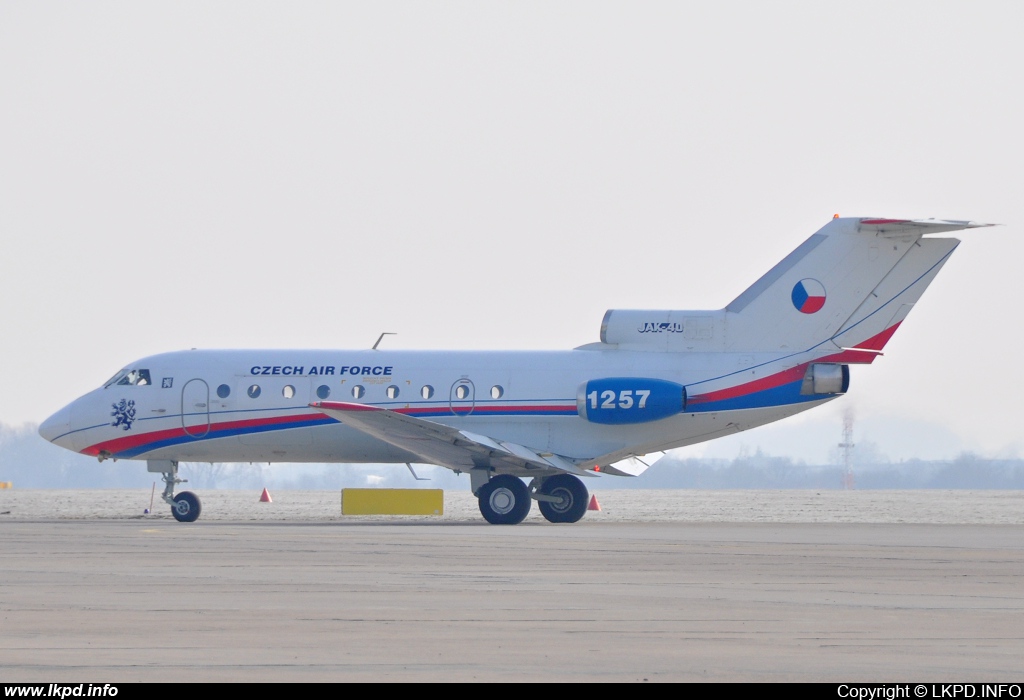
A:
[762,471]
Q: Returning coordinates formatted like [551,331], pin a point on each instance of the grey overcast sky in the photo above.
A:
[497,175]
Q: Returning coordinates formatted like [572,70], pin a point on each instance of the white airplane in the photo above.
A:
[656,380]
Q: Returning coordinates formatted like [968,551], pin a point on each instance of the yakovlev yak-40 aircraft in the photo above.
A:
[657,380]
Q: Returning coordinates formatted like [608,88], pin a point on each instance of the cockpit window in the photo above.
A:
[135,377]
[115,378]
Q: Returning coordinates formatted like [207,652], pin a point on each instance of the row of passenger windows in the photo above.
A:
[359,391]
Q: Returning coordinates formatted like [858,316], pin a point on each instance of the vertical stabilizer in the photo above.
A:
[809,296]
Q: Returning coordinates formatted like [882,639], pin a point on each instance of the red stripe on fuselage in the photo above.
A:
[851,356]
[484,409]
[443,410]
[793,374]
[866,352]
[131,441]
[860,354]
[877,342]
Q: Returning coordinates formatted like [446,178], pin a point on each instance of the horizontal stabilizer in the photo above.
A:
[435,443]
[903,227]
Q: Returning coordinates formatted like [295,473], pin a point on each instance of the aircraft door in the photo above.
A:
[195,408]
[462,398]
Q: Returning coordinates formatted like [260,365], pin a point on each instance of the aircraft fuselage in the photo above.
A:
[249,405]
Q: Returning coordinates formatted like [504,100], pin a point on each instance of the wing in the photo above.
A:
[435,443]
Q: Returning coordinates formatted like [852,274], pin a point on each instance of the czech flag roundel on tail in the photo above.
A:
[808,296]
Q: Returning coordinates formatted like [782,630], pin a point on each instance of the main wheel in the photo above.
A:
[572,499]
[504,500]
[186,507]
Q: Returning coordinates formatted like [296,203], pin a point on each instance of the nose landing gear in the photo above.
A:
[185,507]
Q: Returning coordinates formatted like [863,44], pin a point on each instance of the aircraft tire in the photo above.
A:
[573,504]
[186,507]
[504,500]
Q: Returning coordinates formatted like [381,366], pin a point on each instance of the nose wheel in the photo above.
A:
[185,507]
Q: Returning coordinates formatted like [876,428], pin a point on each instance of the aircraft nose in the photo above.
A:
[56,425]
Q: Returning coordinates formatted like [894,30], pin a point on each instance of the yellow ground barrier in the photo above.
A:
[6,485]
[392,502]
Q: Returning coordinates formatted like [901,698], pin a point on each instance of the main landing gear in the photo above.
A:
[566,500]
[185,507]
[505,499]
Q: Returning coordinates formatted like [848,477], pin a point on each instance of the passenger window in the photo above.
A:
[254,391]
[461,391]
[392,392]
[497,392]
[358,391]
[427,391]
[288,392]
[223,391]
[323,391]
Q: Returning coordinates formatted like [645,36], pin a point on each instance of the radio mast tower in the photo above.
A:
[847,447]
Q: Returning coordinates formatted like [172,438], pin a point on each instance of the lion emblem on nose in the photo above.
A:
[124,414]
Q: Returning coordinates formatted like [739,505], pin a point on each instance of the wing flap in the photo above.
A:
[443,445]
[626,467]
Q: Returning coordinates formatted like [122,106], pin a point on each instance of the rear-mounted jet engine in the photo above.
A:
[822,378]
[625,400]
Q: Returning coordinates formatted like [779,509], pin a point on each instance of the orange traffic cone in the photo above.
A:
[265,496]
[594,505]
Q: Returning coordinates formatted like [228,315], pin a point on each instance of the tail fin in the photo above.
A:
[851,283]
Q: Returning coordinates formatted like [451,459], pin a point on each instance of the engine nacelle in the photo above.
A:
[625,400]
[826,379]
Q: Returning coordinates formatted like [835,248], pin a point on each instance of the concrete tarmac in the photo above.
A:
[127,600]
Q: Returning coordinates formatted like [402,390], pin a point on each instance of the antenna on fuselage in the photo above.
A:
[381,338]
